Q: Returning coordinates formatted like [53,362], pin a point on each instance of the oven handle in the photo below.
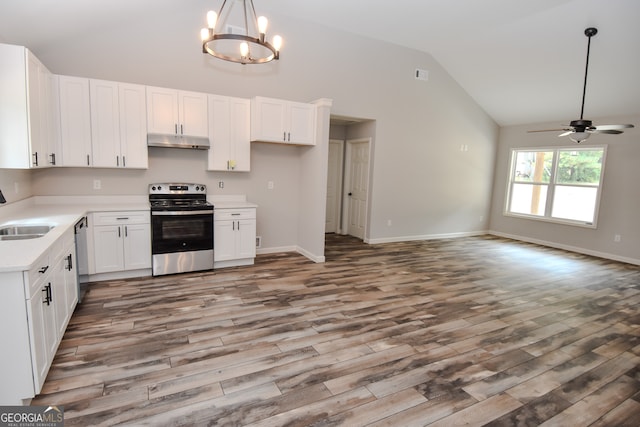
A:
[168,213]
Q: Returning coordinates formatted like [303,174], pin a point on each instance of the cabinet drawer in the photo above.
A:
[231,214]
[121,217]
[37,273]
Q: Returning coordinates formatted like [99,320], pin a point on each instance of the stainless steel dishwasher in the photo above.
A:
[82,262]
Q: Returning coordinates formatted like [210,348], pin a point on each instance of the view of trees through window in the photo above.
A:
[561,183]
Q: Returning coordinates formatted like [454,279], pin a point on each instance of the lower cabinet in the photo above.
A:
[34,313]
[234,237]
[121,241]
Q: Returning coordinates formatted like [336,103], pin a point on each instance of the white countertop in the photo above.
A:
[21,255]
[64,212]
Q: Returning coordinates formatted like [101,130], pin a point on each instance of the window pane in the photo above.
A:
[576,203]
[579,167]
[528,199]
[533,166]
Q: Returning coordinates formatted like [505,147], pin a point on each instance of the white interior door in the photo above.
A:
[334,186]
[357,188]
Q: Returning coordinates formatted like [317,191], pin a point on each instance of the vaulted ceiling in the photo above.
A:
[521,60]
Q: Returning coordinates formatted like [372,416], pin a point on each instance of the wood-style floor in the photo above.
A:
[469,331]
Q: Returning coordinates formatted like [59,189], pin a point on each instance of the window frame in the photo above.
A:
[552,184]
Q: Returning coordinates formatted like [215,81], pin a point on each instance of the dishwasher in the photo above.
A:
[82,262]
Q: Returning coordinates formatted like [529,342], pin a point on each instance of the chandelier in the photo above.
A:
[246,45]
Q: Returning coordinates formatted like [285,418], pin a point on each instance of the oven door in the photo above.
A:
[181,231]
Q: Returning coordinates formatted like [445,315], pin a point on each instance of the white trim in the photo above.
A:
[570,248]
[298,249]
[312,257]
[426,237]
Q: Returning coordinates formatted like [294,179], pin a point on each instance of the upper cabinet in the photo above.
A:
[27,125]
[75,121]
[118,125]
[229,128]
[174,112]
[276,120]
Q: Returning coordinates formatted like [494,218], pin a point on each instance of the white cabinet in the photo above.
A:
[120,241]
[234,237]
[118,124]
[276,120]
[34,312]
[173,112]
[229,134]
[75,121]
[27,137]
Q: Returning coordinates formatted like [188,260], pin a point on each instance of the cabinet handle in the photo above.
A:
[288,136]
[43,269]
[119,235]
[124,162]
[235,214]
[126,231]
[175,126]
[238,225]
[118,161]
[284,136]
[234,225]
[69,262]
[35,159]
[87,160]
[46,295]
[181,130]
[122,218]
[53,158]
[50,293]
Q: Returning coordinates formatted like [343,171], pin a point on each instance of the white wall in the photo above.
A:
[421,180]
[619,204]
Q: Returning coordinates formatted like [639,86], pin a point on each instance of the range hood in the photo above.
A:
[177,141]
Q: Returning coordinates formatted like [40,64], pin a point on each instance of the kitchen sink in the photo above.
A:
[24,231]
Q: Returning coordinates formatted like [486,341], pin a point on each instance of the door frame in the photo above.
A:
[347,185]
[340,185]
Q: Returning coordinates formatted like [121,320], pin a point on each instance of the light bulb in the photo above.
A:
[277,43]
[244,49]
[212,18]
[204,34]
[262,24]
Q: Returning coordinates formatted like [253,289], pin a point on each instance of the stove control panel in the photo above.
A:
[173,188]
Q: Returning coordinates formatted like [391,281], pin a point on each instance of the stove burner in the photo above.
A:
[170,196]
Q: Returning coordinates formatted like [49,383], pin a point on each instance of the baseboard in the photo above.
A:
[276,250]
[569,248]
[312,257]
[425,237]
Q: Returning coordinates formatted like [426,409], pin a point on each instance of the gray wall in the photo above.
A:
[619,205]
[420,178]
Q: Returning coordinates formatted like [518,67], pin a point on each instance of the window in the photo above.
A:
[561,185]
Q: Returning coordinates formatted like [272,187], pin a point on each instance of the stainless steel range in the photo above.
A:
[181,228]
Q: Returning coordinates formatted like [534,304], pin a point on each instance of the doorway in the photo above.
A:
[334,186]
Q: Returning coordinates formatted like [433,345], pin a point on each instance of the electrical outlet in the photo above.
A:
[617,238]
[221,184]
[388,223]
[270,185]
[97,184]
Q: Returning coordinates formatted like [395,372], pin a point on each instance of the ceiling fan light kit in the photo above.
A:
[579,130]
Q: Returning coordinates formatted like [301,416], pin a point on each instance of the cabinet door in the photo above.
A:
[268,120]
[137,246]
[133,126]
[224,242]
[162,110]
[105,123]
[42,335]
[246,238]
[108,248]
[36,74]
[229,129]
[192,108]
[302,120]
[75,121]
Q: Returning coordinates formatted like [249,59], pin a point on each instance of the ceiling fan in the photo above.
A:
[581,129]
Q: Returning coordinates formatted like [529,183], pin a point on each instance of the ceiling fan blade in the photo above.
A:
[613,127]
[546,130]
[609,131]
[569,132]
